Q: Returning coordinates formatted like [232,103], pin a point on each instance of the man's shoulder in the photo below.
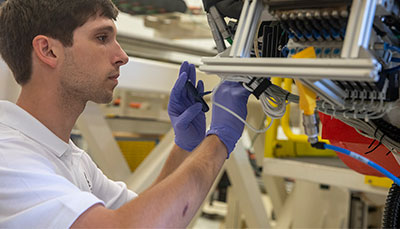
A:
[15,145]
[9,134]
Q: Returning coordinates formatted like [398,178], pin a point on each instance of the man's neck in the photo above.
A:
[58,115]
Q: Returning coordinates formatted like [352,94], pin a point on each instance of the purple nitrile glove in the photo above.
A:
[187,118]
[227,127]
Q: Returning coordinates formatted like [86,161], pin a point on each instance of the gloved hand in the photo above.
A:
[227,127]
[187,118]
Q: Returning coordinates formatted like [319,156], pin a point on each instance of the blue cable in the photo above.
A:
[365,161]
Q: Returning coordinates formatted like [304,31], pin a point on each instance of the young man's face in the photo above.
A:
[91,66]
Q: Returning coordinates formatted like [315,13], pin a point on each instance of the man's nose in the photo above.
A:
[121,57]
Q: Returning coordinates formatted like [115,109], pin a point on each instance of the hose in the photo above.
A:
[360,158]
[391,215]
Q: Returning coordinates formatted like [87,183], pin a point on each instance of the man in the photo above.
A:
[64,53]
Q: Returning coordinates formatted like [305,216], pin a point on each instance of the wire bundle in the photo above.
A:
[273,99]
[355,114]
[370,130]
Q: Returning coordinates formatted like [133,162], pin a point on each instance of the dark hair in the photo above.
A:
[22,20]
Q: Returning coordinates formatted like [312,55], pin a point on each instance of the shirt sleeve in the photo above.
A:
[113,193]
[32,195]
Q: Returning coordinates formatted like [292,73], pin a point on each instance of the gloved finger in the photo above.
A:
[184,68]
[192,73]
[187,117]
[200,87]
[179,86]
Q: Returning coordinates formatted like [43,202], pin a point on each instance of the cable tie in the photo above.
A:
[345,115]
[287,96]
[371,143]
[323,105]
[383,135]
[261,88]
[375,132]
[376,147]
[373,148]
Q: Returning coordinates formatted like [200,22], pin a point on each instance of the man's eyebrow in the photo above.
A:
[107,28]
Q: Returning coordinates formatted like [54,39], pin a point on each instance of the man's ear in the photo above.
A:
[45,50]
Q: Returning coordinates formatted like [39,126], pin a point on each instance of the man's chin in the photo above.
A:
[103,99]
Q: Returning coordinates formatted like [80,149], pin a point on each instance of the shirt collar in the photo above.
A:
[17,118]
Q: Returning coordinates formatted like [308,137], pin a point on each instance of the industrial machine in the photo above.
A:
[343,56]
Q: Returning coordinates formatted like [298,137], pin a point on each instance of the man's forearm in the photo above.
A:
[175,158]
[174,200]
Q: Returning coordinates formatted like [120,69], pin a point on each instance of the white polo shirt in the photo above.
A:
[45,182]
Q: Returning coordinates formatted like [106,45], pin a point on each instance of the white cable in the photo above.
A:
[242,120]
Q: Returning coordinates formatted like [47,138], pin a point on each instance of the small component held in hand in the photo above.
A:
[198,97]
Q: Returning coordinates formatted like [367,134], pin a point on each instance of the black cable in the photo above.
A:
[388,129]
[391,215]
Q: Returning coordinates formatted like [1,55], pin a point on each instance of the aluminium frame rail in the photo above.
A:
[355,64]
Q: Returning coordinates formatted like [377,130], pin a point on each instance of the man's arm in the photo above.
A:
[175,158]
[173,201]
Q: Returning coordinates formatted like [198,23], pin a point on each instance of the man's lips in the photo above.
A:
[114,77]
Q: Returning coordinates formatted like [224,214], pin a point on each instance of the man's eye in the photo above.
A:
[102,38]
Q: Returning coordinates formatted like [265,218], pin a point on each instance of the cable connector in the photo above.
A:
[318,145]
[311,127]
